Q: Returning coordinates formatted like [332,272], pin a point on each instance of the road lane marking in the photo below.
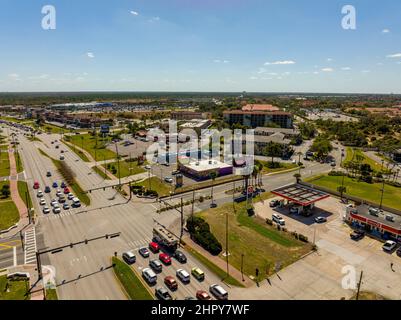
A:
[15,256]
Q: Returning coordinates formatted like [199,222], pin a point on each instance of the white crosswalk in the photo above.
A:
[134,245]
[30,246]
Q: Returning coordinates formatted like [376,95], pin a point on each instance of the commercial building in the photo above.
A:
[380,224]
[254,119]
[188,115]
[79,120]
[202,169]
[260,107]
[196,124]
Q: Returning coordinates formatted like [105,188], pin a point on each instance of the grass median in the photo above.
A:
[24,193]
[13,289]
[127,168]
[96,147]
[4,162]
[130,281]
[101,173]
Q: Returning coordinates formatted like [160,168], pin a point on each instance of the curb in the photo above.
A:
[9,229]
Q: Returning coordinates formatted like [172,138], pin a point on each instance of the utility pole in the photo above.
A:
[182,220]
[228,271]
[242,266]
[193,204]
[118,165]
[27,207]
[359,286]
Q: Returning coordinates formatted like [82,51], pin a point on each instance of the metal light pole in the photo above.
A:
[242,266]
[382,194]
[118,165]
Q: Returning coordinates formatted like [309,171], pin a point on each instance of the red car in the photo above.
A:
[202,295]
[170,282]
[154,247]
[165,258]
[66,190]
[36,185]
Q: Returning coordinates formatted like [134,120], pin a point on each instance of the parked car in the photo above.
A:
[274,203]
[129,257]
[162,294]
[156,266]
[171,283]
[148,167]
[278,219]
[168,179]
[198,274]
[202,295]
[294,210]
[144,252]
[165,258]
[357,235]
[389,245]
[183,276]
[320,219]
[149,276]
[219,292]
[174,173]
[180,257]
[399,252]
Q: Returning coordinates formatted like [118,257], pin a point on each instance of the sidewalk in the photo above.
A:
[15,196]
[236,274]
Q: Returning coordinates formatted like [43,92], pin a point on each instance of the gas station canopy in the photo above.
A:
[300,194]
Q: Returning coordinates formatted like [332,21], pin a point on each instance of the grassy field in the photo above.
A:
[88,143]
[125,167]
[370,192]
[4,162]
[154,183]
[79,153]
[263,246]
[215,269]
[100,172]
[133,286]
[51,294]
[352,154]
[17,289]
[9,214]
[23,191]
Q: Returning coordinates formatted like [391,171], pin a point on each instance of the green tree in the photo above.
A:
[5,191]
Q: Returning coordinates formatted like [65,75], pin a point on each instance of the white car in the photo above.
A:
[58,193]
[54,202]
[168,180]
[42,202]
[56,210]
[219,292]
[183,276]
[70,196]
[46,210]
[40,194]
[389,245]
[148,167]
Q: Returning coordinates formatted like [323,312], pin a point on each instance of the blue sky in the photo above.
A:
[201,45]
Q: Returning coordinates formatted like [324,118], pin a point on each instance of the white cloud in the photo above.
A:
[316,72]
[154,19]
[253,78]
[327,69]
[365,71]
[216,61]
[226,61]
[345,68]
[395,55]
[385,31]
[261,70]
[285,62]
[14,76]
[221,61]
[329,59]
[90,55]
[40,77]
[272,74]
[134,13]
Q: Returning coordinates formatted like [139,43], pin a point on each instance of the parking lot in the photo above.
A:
[320,275]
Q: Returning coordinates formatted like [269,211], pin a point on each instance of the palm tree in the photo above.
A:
[213,175]
[299,154]
[298,177]
[342,190]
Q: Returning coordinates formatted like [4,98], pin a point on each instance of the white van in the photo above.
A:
[149,276]
[278,219]
[76,203]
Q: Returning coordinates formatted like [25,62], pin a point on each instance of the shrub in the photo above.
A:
[336,173]
[302,238]
[199,230]
[269,221]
